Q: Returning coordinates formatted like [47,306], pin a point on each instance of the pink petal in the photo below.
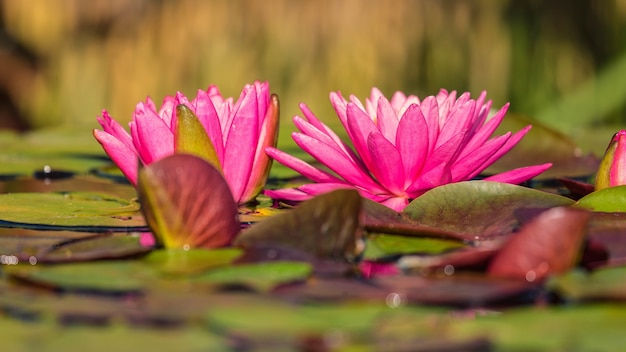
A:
[459,120]
[617,173]
[262,162]
[310,117]
[291,194]
[320,188]
[113,128]
[300,166]
[167,110]
[412,142]
[263,98]
[371,269]
[338,162]
[340,106]
[519,175]
[445,154]
[152,138]
[388,168]
[240,142]
[205,110]
[510,143]
[398,100]
[485,132]
[437,176]
[387,119]
[122,155]
[430,111]
[396,203]
[464,168]
[359,128]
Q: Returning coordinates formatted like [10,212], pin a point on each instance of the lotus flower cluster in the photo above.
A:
[612,170]
[239,132]
[402,147]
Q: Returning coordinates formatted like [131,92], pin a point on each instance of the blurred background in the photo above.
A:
[63,61]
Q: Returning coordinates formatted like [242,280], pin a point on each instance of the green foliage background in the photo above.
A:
[561,64]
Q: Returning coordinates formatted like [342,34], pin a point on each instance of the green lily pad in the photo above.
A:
[352,321]
[84,210]
[612,199]
[606,283]
[262,277]
[112,277]
[570,328]
[177,261]
[95,248]
[78,183]
[380,246]
[483,208]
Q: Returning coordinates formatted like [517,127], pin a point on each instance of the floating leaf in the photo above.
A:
[326,226]
[550,244]
[378,218]
[113,277]
[383,246]
[178,261]
[595,327]
[612,199]
[83,211]
[482,208]
[191,137]
[348,322]
[608,283]
[456,289]
[261,276]
[94,248]
[187,203]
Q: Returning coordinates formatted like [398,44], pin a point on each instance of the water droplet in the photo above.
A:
[393,300]
[448,269]
[531,276]
[32,260]
[186,247]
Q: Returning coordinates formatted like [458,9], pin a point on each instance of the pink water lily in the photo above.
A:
[240,132]
[402,147]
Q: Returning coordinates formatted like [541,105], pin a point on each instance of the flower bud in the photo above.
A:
[612,170]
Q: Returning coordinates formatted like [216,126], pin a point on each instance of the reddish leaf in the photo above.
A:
[577,189]
[327,226]
[378,218]
[550,244]
[187,203]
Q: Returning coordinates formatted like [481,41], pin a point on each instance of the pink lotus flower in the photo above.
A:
[239,133]
[402,147]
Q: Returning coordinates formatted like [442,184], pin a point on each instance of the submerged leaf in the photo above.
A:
[550,244]
[187,203]
[327,226]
